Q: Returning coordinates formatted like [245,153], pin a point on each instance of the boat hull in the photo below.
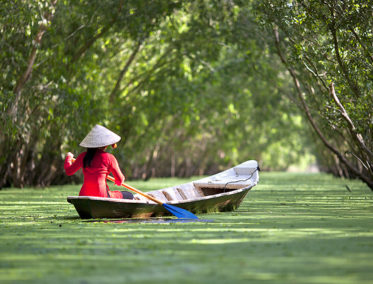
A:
[91,207]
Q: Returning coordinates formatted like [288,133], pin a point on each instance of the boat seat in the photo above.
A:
[228,184]
[173,194]
[192,193]
[159,195]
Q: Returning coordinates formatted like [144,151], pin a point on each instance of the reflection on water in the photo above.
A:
[149,220]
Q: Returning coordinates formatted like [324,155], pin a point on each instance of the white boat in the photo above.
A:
[217,193]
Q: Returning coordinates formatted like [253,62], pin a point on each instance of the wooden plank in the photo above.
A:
[182,194]
[199,191]
[169,198]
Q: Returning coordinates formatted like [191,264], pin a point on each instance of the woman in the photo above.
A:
[97,164]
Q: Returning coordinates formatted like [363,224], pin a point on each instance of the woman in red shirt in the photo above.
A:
[97,164]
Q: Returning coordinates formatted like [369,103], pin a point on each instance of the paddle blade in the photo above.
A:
[179,212]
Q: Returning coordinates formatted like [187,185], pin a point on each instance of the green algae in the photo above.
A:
[291,228]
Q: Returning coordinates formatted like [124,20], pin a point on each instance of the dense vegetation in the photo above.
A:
[191,86]
[327,48]
[291,228]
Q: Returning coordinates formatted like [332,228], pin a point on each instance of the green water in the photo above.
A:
[291,228]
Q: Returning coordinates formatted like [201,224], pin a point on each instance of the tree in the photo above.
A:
[50,87]
[187,84]
[326,48]
[213,100]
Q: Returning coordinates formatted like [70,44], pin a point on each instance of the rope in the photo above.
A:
[225,186]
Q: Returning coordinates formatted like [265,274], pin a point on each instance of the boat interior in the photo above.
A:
[242,176]
[190,191]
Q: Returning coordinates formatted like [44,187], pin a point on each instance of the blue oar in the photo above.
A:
[178,212]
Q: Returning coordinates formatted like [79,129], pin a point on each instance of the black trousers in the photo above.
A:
[127,195]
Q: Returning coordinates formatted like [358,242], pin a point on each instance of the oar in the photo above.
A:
[178,212]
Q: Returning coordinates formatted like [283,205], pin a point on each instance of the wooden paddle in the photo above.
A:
[178,212]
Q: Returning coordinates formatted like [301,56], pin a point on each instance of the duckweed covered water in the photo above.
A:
[291,228]
[151,220]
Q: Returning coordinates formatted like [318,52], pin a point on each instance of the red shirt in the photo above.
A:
[95,184]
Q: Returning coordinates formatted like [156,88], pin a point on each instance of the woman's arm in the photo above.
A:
[72,167]
[114,168]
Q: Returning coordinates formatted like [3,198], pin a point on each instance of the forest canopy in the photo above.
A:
[190,86]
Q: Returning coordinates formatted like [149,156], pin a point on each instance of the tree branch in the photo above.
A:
[12,110]
[362,45]
[124,71]
[333,31]
[358,137]
[90,42]
[157,65]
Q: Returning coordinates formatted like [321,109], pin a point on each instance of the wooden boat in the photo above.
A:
[217,193]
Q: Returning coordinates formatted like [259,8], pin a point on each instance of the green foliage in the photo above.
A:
[190,86]
[209,97]
[328,47]
[62,95]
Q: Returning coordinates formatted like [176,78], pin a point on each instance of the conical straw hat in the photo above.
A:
[98,137]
